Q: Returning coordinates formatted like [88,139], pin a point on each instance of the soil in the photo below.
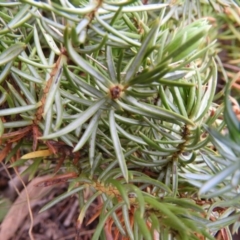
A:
[56,223]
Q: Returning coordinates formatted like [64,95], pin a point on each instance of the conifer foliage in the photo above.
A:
[124,94]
